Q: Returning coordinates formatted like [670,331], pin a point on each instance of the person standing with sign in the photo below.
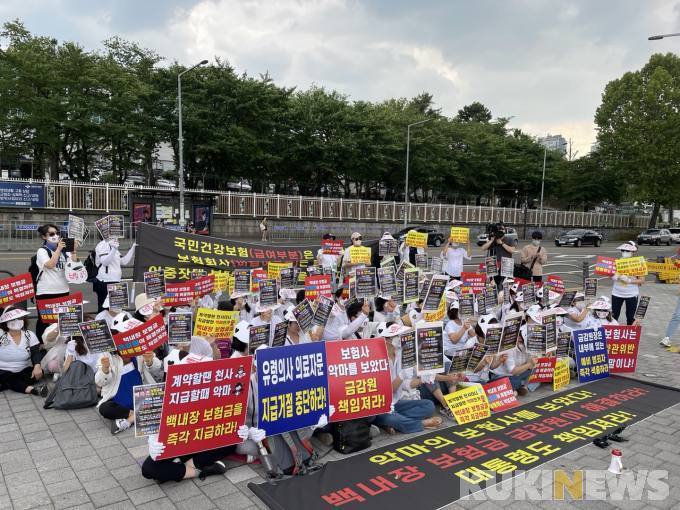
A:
[356,239]
[20,368]
[534,256]
[454,256]
[497,247]
[626,289]
[51,260]
[109,260]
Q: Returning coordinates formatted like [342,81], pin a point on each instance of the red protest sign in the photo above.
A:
[256,275]
[623,344]
[500,394]
[203,285]
[204,405]
[179,294]
[359,379]
[47,307]
[16,289]
[605,266]
[331,247]
[543,371]
[555,283]
[473,282]
[318,285]
[144,338]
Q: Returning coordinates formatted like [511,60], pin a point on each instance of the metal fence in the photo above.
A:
[19,235]
[74,196]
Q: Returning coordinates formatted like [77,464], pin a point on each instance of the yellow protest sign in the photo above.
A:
[274,269]
[633,266]
[657,267]
[459,235]
[231,282]
[561,374]
[359,255]
[221,279]
[216,323]
[439,314]
[469,404]
[416,239]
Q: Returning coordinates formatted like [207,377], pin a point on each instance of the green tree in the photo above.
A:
[638,128]
[474,112]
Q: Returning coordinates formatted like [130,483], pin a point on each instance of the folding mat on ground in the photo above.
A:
[434,469]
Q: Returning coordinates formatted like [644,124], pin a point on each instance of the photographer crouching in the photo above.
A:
[496,246]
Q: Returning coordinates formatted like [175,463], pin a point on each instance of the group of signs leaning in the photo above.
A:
[202,405]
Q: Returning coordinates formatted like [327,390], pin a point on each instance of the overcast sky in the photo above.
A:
[545,62]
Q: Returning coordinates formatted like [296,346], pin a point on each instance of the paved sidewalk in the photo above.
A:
[69,459]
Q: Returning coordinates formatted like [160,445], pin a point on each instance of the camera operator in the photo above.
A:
[496,246]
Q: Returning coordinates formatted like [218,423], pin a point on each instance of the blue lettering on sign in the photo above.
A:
[292,387]
[592,361]
[17,194]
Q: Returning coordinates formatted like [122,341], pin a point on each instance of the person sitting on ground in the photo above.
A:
[20,368]
[76,350]
[116,376]
[386,310]
[602,313]
[458,333]
[515,364]
[107,314]
[411,413]
[577,314]
[344,323]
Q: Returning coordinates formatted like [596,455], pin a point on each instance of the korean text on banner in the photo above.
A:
[429,348]
[473,282]
[331,247]
[359,255]
[318,285]
[561,375]
[216,323]
[148,403]
[359,379]
[16,289]
[469,404]
[591,354]
[544,370]
[274,269]
[144,338]
[500,395]
[416,239]
[179,294]
[459,235]
[605,266]
[204,405]
[292,387]
[623,344]
[633,266]
[48,308]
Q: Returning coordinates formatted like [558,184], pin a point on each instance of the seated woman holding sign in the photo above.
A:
[516,364]
[20,368]
[116,376]
[411,414]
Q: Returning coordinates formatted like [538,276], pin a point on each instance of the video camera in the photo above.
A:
[495,230]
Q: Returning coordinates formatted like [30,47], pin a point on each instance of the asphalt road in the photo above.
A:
[564,261]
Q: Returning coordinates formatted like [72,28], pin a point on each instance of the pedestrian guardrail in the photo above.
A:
[75,196]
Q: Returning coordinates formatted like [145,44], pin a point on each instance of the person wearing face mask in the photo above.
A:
[602,313]
[626,289]
[346,322]
[577,314]
[534,256]
[20,368]
[454,255]
[356,240]
[386,310]
[109,261]
[51,261]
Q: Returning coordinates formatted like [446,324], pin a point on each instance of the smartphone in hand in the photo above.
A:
[70,244]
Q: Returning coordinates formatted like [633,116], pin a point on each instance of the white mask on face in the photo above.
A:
[53,239]
[559,320]
[626,254]
[536,242]
[114,243]
[342,301]
[15,325]
[601,314]
[453,245]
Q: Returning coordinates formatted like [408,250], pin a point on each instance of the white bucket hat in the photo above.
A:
[11,314]
[242,332]
[628,246]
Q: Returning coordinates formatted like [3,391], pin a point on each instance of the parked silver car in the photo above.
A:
[655,236]
[675,234]
[510,237]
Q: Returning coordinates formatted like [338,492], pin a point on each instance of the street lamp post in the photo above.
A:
[181,140]
[408,149]
[658,37]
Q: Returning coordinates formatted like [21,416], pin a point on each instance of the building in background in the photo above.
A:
[554,143]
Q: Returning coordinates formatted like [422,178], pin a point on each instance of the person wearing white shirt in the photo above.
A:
[602,313]
[76,350]
[51,260]
[515,364]
[327,260]
[454,256]
[626,289]
[577,314]
[458,334]
[20,368]
[109,261]
[386,310]
[345,323]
